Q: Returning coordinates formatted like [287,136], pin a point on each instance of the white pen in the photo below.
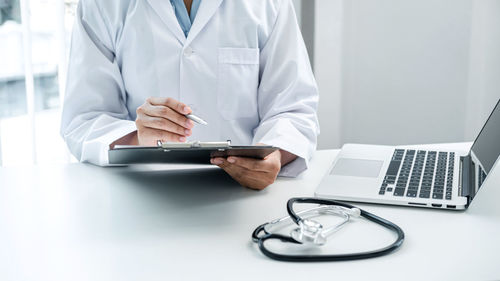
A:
[196,119]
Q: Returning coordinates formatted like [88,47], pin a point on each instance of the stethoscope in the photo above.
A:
[311,232]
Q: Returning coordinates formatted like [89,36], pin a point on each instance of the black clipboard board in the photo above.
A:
[183,153]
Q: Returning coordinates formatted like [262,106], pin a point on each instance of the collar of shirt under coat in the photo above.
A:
[184,18]
[166,12]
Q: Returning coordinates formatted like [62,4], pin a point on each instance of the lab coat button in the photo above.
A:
[188,52]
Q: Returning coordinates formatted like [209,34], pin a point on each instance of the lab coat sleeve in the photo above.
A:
[94,112]
[288,94]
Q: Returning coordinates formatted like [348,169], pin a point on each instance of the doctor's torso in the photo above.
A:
[215,69]
[243,68]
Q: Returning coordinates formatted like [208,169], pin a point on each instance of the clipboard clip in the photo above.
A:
[194,144]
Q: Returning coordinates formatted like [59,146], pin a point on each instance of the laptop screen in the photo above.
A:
[486,148]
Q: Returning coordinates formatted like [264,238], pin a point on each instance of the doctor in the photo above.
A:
[137,66]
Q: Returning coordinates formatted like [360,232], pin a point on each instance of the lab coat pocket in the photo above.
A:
[237,82]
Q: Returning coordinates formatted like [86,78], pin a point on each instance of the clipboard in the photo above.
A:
[183,153]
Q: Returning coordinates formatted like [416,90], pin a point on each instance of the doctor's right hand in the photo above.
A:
[164,119]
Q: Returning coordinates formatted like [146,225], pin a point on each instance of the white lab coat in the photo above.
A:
[243,68]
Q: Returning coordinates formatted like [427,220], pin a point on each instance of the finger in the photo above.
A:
[261,165]
[170,102]
[237,172]
[163,124]
[151,136]
[233,170]
[245,177]
[217,160]
[167,113]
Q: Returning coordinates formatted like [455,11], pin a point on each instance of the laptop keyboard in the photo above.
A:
[420,173]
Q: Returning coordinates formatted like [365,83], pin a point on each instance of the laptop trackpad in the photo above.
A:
[357,168]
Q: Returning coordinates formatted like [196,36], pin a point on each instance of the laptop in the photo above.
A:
[444,179]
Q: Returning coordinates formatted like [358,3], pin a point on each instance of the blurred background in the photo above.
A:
[389,71]
[405,72]
[34,46]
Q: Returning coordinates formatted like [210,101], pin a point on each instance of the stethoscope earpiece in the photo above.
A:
[354,212]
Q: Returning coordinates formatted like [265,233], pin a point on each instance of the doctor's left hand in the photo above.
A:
[254,173]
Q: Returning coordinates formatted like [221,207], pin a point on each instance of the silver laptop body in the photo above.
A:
[446,179]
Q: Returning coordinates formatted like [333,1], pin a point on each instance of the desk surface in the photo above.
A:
[81,222]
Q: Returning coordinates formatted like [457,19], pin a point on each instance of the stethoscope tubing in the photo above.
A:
[324,258]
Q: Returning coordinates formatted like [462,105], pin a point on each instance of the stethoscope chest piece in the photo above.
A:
[309,232]
[312,232]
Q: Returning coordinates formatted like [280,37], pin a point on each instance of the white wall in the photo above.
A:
[400,72]
[328,70]
[484,71]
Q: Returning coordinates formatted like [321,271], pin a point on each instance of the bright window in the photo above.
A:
[34,44]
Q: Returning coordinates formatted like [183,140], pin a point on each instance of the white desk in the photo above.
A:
[80,222]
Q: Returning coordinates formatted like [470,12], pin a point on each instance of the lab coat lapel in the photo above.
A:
[205,12]
[164,10]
